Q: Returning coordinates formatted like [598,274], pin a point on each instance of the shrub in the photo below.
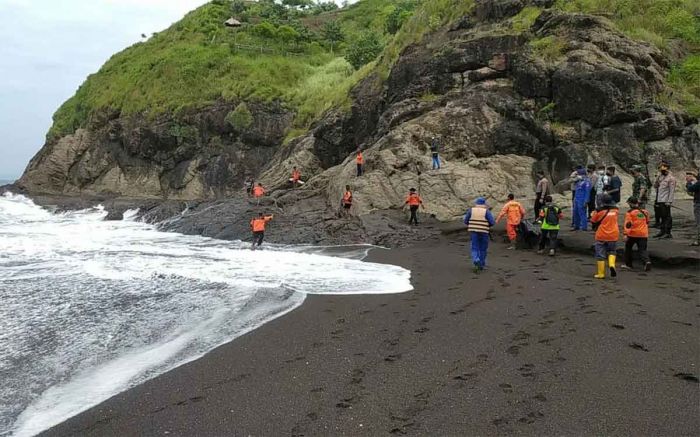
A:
[550,48]
[364,49]
[265,29]
[525,19]
[240,118]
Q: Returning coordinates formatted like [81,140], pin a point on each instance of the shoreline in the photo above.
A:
[492,354]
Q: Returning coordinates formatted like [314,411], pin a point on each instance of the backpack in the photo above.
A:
[552,216]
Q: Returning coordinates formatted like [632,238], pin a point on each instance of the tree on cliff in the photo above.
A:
[364,49]
[333,33]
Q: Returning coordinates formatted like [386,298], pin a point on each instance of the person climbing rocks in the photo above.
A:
[636,232]
[296,177]
[692,185]
[550,215]
[479,221]
[360,161]
[582,193]
[258,192]
[413,201]
[514,213]
[607,232]
[434,145]
[640,186]
[257,225]
[665,194]
[541,190]
[346,201]
[613,184]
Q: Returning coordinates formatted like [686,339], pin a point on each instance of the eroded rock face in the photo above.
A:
[499,109]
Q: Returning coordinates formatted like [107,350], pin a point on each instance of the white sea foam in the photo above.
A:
[93,307]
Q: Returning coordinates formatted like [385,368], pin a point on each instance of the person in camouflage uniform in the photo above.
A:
[640,187]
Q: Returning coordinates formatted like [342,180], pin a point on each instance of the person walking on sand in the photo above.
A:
[582,192]
[413,201]
[601,182]
[574,177]
[541,190]
[514,213]
[257,225]
[296,177]
[434,146]
[346,201]
[550,215]
[479,221]
[360,161]
[636,232]
[607,232]
[692,185]
[665,194]
[640,186]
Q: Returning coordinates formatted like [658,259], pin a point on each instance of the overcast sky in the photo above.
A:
[47,49]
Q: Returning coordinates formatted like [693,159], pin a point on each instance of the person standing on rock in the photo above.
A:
[257,225]
[640,186]
[551,214]
[413,201]
[360,161]
[346,201]
[434,145]
[541,191]
[581,195]
[665,194]
[692,185]
[613,185]
[636,232]
[479,221]
[514,213]
[607,232]
[296,177]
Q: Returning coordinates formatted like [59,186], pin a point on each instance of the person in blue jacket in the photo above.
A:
[479,221]
[581,196]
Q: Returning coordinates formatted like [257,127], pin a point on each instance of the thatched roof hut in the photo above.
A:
[232,22]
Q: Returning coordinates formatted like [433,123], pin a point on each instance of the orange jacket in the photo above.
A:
[413,199]
[636,223]
[360,159]
[513,211]
[296,175]
[258,191]
[258,223]
[608,229]
[347,198]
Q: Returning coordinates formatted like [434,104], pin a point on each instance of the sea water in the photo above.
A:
[89,308]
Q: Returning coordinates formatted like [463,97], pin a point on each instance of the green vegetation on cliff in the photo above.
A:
[309,56]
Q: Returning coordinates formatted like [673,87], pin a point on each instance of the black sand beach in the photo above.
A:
[532,346]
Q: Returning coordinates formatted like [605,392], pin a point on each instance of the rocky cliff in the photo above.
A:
[503,99]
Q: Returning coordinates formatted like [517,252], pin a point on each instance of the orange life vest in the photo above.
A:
[413,199]
[608,230]
[636,223]
[360,158]
[258,191]
[258,223]
[296,175]
[347,198]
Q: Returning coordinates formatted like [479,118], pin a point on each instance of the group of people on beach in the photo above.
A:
[595,199]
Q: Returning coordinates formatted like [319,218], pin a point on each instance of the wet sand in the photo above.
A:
[531,346]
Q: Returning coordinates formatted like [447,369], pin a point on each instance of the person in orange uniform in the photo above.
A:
[257,225]
[607,232]
[346,201]
[296,177]
[360,160]
[514,213]
[258,192]
[413,201]
[636,231]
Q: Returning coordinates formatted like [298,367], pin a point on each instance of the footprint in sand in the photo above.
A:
[638,346]
[507,388]
[616,326]
[687,377]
